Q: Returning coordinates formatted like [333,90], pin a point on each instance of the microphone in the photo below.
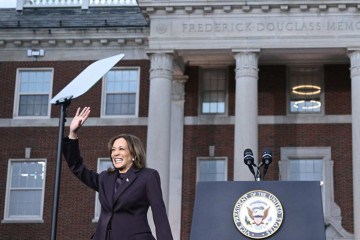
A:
[266,160]
[249,160]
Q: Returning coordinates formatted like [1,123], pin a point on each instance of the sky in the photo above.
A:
[7,3]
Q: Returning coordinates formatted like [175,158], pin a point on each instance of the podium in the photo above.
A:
[217,205]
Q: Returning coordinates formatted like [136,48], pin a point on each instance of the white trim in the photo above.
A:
[200,120]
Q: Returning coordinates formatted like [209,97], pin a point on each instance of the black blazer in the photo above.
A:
[124,214]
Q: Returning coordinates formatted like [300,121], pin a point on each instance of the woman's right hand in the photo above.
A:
[78,120]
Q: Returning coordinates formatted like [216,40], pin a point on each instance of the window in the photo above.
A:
[25,186]
[33,92]
[305,89]
[103,164]
[315,164]
[211,169]
[305,170]
[121,87]
[213,92]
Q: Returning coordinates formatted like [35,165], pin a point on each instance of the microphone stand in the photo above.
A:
[249,161]
[257,174]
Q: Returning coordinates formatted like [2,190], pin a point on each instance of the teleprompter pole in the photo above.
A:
[77,87]
[64,103]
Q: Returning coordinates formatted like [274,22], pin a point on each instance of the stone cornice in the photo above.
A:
[176,3]
[149,7]
[72,38]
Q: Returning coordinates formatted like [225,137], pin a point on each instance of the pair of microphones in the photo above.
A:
[266,160]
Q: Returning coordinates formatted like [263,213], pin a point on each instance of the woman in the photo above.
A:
[125,192]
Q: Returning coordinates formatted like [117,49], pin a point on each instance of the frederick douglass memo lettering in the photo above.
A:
[281,26]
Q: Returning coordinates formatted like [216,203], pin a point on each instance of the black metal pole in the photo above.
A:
[64,103]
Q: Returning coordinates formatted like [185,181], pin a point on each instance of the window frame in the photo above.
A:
[323,153]
[288,90]
[97,206]
[23,219]
[201,87]
[17,93]
[104,94]
[199,159]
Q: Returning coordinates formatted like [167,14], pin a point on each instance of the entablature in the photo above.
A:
[150,8]
[75,37]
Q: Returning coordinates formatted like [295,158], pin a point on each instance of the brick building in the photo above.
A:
[200,82]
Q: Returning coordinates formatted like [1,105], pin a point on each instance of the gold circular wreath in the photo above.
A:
[306,89]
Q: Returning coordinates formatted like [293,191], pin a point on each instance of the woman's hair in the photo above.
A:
[135,146]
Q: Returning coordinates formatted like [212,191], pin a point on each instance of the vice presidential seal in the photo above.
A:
[258,214]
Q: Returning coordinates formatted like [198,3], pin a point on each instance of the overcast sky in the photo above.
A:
[7,3]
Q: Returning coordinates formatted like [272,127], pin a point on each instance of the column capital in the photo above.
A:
[246,50]
[154,51]
[181,79]
[246,63]
[178,89]
[354,55]
[161,65]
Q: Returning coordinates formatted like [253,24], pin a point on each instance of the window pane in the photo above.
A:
[35,81]
[213,92]
[305,89]
[25,203]
[26,189]
[104,165]
[212,170]
[120,104]
[121,92]
[305,170]
[34,92]
[27,174]
[33,105]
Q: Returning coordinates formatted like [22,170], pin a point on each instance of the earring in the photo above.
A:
[133,159]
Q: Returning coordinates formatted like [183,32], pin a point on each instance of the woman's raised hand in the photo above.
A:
[78,120]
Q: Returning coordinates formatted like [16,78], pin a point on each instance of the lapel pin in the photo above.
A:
[127,179]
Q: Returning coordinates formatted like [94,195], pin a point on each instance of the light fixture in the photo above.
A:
[306,89]
[313,104]
[35,52]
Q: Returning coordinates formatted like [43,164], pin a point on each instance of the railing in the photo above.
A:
[84,4]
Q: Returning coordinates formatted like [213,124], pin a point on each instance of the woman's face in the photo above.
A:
[121,156]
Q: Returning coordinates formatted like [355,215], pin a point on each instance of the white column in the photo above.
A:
[246,111]
[355,119]
[176,154]
[158,132]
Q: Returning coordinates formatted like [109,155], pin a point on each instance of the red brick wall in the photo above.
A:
[197,140]
[316,135]
[192,91]
[272,90]
[337,89]
[65,72]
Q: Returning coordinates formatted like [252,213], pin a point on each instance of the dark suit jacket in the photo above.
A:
[124,214]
